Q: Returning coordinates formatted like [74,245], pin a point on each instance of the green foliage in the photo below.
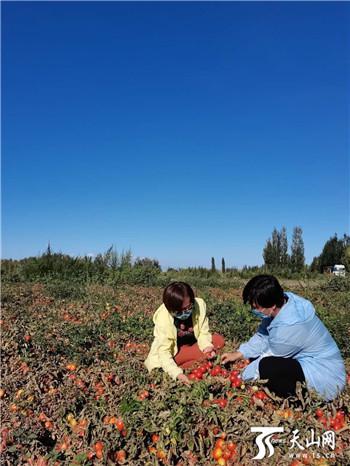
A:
[223,265]
[276,256]
[67,277]
[337,322]
[332,302]
[335,251]
[213,267]
[275,253]
[297,258]
[337,284]
[66,289]
[110,267]
[233,320]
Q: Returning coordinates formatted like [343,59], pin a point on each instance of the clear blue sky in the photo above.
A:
[179,130]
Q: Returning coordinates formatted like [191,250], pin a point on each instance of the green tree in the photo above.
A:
[346,254]
[148,263]
[275,253]
[284,258]
[268,254]
[297,258]
[335,251]
[213,268]
[276,247]
[315,264]
[223,266]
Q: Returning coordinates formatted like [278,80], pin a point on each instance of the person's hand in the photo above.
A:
[231,357]
[209,352]
[184,379]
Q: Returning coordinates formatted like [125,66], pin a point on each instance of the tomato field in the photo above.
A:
[74,389]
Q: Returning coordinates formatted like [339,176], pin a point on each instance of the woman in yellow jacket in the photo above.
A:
[181,332]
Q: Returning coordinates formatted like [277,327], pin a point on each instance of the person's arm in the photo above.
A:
[204,339]
[165,354]
[258,343]
[254,347]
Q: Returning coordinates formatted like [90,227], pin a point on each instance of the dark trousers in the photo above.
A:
[282,374]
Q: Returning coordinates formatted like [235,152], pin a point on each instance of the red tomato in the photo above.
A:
[220,443]
[161,454]
[120,425]
[222,403]
[143,395]
[198,374]
[340,416]
[120,456]
[319,412]
[90,455]
[217,453]
[236,383]
[260,395]
[216,370]
[98,447]
[231,446]
[337,425]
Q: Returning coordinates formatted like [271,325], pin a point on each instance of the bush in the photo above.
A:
[337,284]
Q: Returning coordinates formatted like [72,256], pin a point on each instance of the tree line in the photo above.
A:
[112,267]
[278,258]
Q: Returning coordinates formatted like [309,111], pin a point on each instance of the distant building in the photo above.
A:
[339,270]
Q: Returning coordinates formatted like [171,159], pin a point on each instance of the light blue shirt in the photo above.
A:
[297,332]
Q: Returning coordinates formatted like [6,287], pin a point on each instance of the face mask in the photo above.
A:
[184,315]
[259,314]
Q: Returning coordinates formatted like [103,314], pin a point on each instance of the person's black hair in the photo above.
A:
[264,290]
[175,293]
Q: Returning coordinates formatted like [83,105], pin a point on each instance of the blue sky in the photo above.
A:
[180,130]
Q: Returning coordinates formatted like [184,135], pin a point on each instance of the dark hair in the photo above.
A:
[175,293]
[264,290]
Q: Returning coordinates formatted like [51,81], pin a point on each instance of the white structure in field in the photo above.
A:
[339,270]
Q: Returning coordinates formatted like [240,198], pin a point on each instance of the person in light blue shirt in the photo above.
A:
[291,344]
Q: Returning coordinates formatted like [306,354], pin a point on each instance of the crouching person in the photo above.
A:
[181,333]
[291,344]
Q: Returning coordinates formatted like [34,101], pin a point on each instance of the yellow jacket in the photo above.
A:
[164,346]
